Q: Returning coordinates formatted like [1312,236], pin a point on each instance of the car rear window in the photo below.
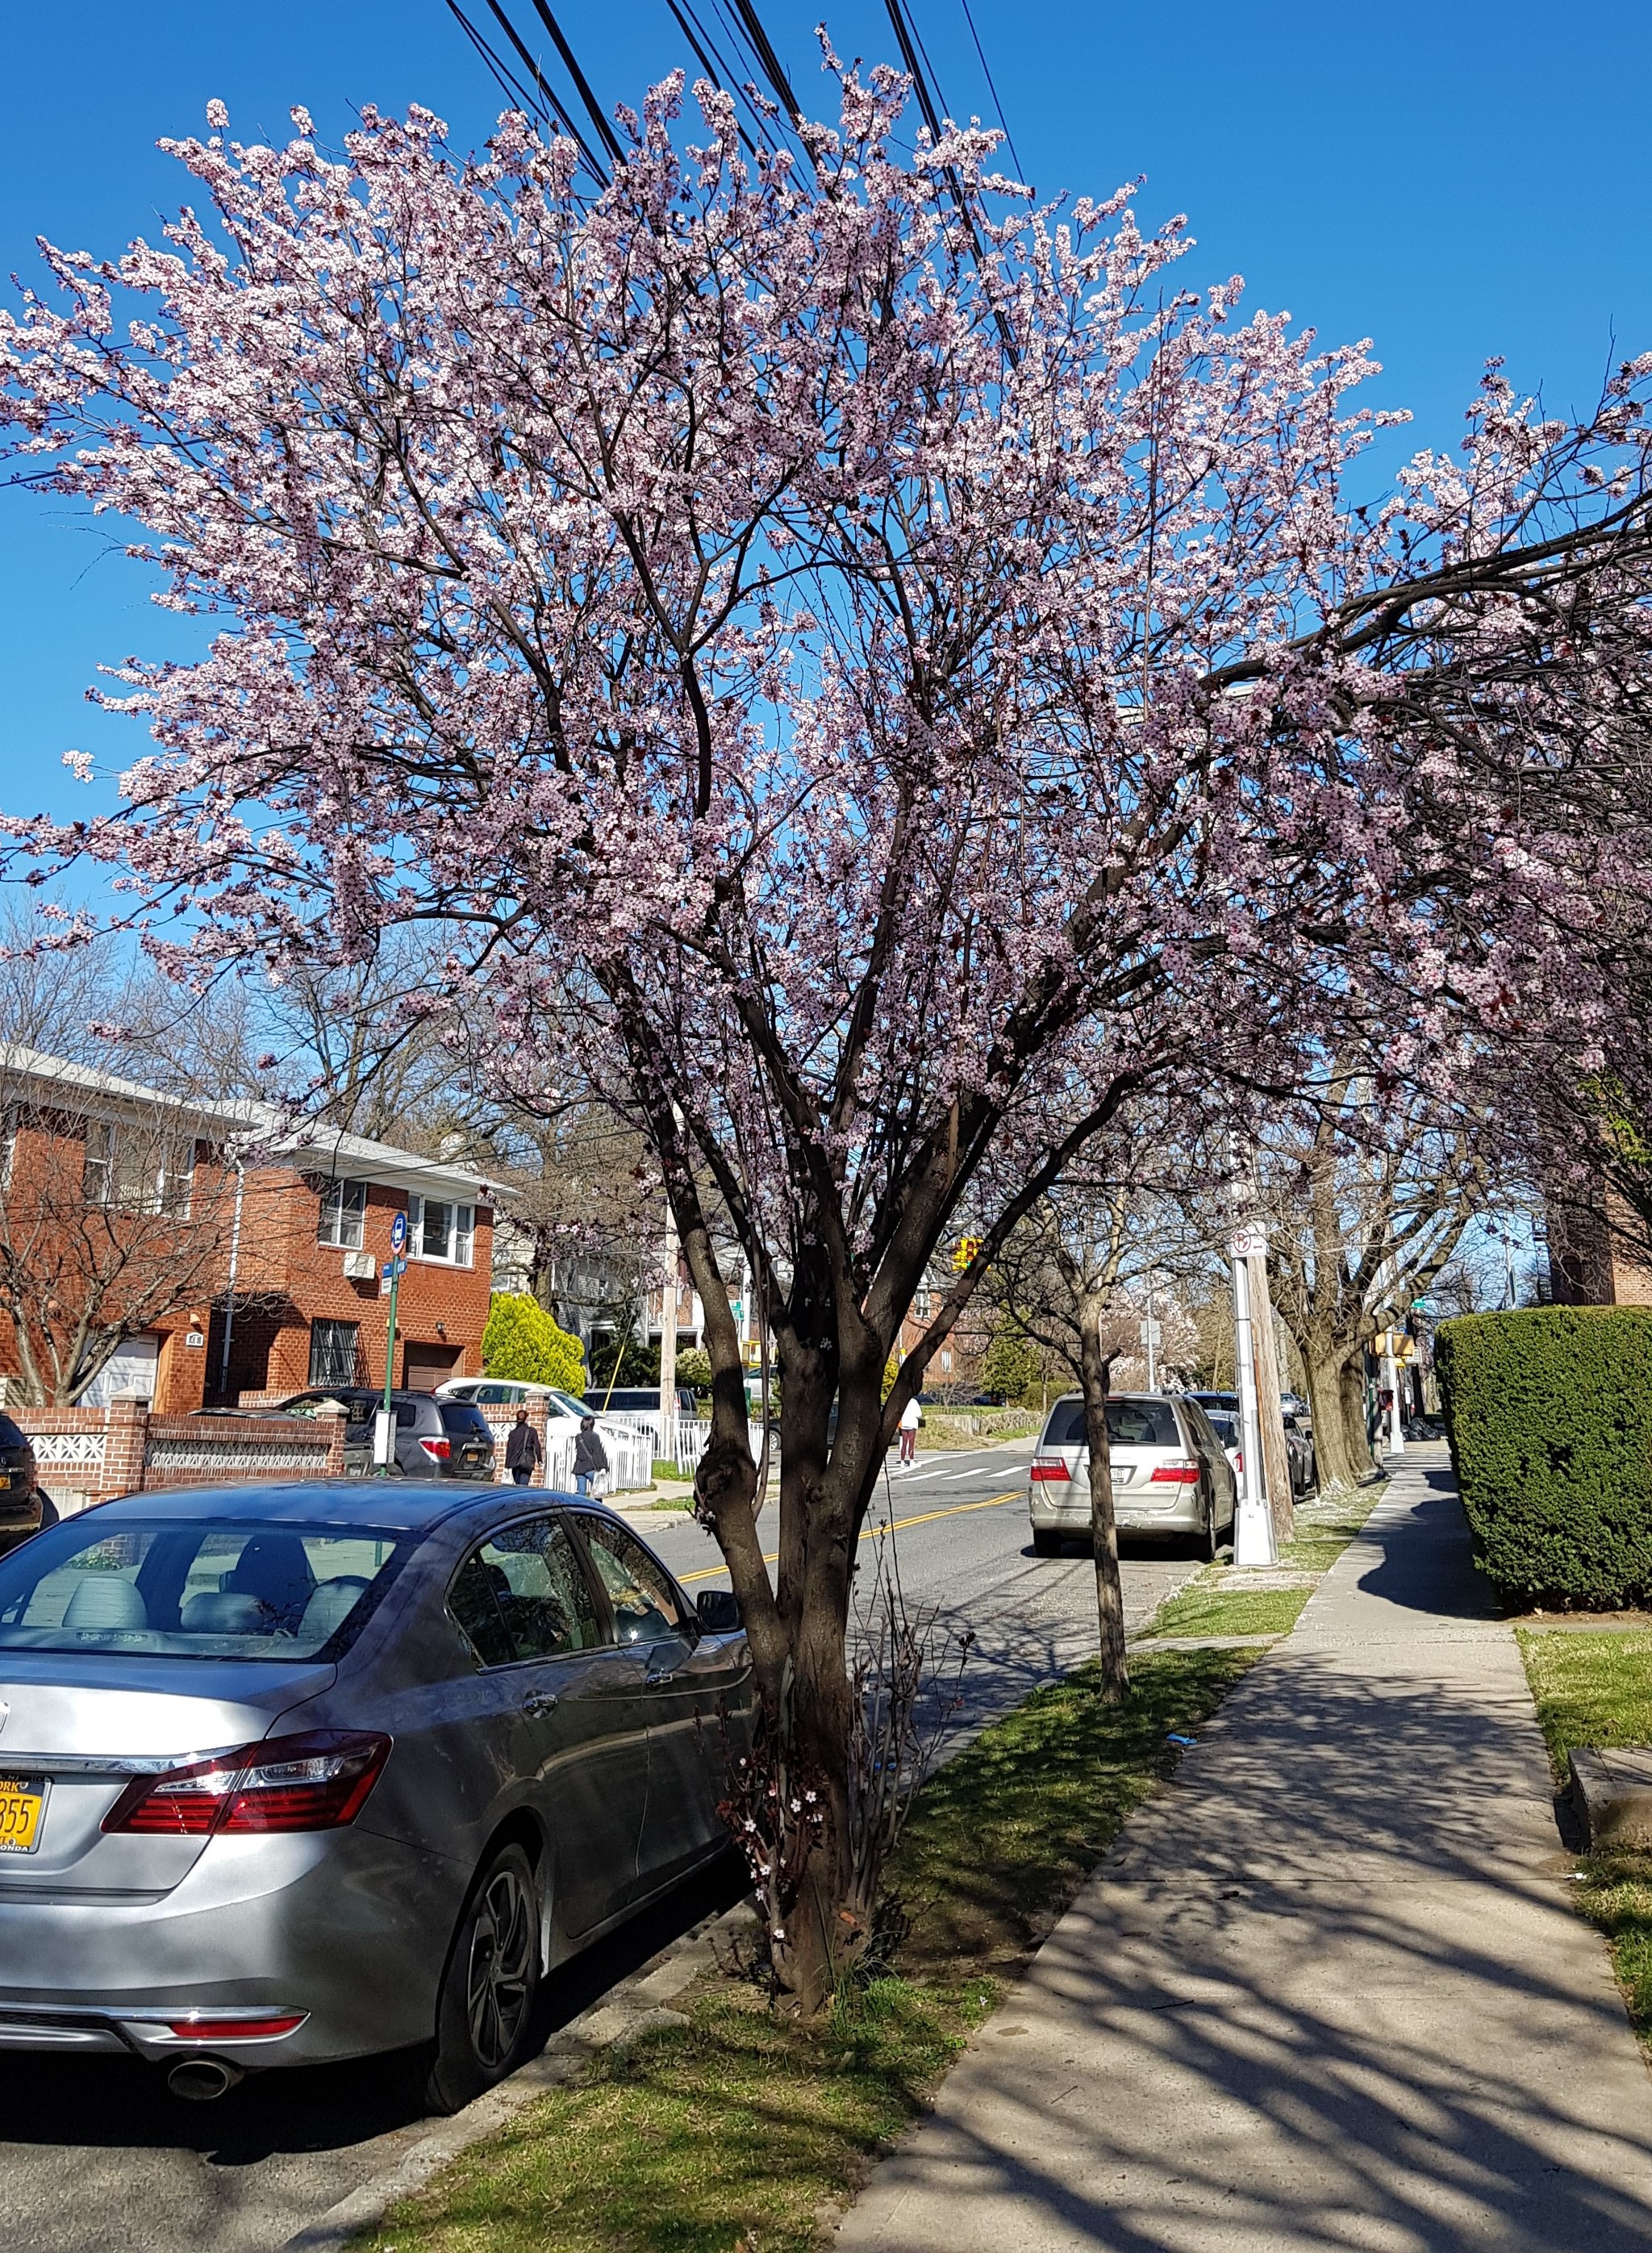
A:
[10,1435]
[193,1588]
[1130,1424]
[460,1416]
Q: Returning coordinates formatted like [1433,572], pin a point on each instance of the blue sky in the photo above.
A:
[1450,180]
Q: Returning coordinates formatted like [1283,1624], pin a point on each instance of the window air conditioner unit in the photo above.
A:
[360,1266]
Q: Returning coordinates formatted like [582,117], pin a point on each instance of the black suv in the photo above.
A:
[435,1439]
[24,1508]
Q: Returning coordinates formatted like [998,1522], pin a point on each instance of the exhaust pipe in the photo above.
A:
[201,2079]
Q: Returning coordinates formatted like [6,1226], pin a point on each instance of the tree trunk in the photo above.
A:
[1356,1437]
[1103,1532]
[1338,1467]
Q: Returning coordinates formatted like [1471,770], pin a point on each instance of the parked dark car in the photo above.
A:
[24,1508]
[435,1439]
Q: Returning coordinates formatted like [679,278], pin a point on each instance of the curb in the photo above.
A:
[633,2007]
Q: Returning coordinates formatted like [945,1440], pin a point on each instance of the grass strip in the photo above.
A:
[1200,1610]
[1594,1687]
[741,2132]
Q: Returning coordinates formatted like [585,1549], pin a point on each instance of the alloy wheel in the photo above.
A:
[503,1942]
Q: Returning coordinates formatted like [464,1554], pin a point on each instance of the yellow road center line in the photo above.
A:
[924,1517]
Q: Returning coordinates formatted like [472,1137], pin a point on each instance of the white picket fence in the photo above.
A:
[681,1440]
[631,1460]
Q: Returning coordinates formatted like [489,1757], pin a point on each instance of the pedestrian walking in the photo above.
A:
[590,1457]
[911,1417]
[523,1453]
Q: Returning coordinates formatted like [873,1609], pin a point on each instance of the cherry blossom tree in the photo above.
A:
[867,675]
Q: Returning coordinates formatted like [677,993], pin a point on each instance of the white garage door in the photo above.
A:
[129,1376]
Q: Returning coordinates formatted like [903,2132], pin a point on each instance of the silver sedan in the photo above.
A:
[292,1773]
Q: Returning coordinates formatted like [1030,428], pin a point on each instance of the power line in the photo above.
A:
[993,88]
[606,132]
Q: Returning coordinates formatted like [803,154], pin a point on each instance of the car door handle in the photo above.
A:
[661,1674]
[543,1701]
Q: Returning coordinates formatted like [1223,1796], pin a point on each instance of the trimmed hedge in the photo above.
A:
[1549,1413]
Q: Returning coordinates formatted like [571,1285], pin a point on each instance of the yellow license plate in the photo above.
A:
[21,1801]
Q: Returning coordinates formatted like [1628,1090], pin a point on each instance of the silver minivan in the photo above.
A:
[1170,1474]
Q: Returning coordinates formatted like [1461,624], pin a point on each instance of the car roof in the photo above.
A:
[399,1505]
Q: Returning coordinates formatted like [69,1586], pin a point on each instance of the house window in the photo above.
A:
[438,1231]
[332,1353]
[344,1207]
[136,1170]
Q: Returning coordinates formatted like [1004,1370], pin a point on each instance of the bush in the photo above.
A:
[523,1341]
[694,1369]
[1549,1413]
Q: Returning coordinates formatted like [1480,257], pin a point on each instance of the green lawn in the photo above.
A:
[1594,1686]
[1204,1610]
[740,2132]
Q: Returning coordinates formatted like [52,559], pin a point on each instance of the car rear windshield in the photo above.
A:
[10,1435]
[1130,1424]
[193,1588]
[459,1416]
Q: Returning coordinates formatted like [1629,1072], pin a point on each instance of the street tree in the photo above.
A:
[871,673]
[1368,1199]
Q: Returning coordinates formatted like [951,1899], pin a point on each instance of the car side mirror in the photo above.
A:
[718,1610]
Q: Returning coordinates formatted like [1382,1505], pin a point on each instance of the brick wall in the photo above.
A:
[87,1455]
[288,1280]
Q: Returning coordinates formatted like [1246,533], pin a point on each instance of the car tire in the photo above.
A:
[1211,1539]
[484,2011]
[1045,1543]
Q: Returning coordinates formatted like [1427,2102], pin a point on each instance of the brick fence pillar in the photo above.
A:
[126,1431]
[331,1421]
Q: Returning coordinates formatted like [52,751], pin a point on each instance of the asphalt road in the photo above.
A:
[95,2152]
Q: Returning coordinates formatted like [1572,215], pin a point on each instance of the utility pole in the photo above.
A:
[1150,1332]
[1396,1436]
[668,1342]
[1276,1456]
[1254,1526]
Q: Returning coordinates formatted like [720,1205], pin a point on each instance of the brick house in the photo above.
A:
[308,1304]
[273,1237]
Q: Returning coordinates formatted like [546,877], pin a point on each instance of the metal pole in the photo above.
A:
[229,1287]
[385,1448]
[1396,1436]
[668,1342]
[1253,1527]
[1153,1360]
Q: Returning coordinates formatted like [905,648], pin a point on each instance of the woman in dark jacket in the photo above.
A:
[590,1457]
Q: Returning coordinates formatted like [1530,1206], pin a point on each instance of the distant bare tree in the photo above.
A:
[114,1217]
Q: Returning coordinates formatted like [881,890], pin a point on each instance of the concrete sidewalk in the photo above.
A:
[1328,1991]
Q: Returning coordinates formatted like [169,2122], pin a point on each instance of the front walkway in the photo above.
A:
[1328,1992]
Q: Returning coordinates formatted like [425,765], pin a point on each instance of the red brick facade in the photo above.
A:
[257,1302]
[287,1280]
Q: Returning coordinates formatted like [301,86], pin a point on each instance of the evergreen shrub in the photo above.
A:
[522,1341]
[1549,1413]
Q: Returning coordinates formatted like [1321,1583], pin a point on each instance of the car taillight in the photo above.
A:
[438,1450]
[1175,1475]
[316,1783]
[1055,1468]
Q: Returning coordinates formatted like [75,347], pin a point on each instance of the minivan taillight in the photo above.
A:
[1176,1474]
[438,1450]
[1050,1468]
[315,1782]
